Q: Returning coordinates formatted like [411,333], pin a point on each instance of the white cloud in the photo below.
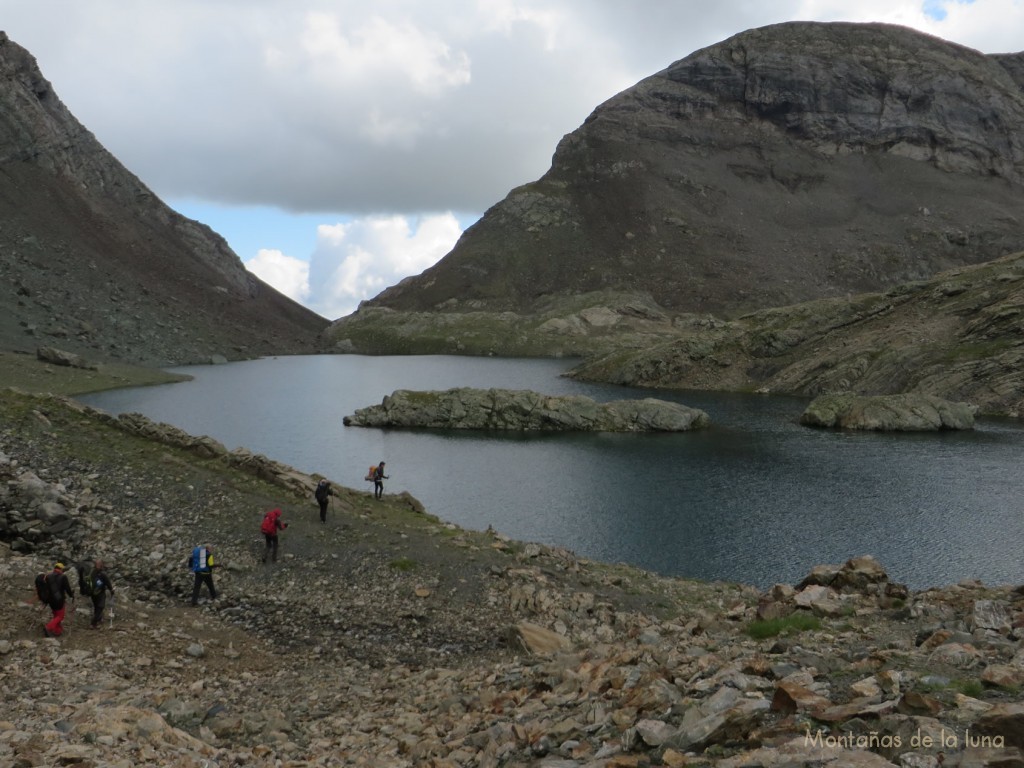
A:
[378,50]
[362,108]
[356,260]
[285,273]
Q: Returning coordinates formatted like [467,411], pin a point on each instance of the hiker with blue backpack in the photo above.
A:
[201,563]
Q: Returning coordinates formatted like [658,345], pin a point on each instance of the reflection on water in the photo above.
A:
[756,498]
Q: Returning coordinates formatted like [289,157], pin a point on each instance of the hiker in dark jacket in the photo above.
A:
[60,588]
[99,583]
[271,525]
[378,481]
[323,491]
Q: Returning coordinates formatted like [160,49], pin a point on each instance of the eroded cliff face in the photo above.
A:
[92,260]
[788,163]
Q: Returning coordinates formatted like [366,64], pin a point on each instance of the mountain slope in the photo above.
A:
[92,261]
[788,163]
[959,336]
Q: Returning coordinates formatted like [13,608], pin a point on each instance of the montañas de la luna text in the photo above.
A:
[874,740]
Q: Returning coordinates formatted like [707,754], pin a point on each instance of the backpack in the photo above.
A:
[86,579]
[369,475]
[43,588]
[269,526]
[198,559]
[322,491]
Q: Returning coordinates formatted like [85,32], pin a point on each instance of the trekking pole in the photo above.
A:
[112,601]
[68,617]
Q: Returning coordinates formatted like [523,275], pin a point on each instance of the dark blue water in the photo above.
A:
[756,498]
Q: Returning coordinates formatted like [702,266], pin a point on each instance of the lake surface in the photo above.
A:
[756,498]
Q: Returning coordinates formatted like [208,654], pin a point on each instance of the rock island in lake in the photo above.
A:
[909,412]
[524,410]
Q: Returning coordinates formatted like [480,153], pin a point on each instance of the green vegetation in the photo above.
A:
[403,564]
[787,625]
[25,372]
[968,687]
[972,688]
[978,351]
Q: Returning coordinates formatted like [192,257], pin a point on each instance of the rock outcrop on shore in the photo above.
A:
[524,411]
[888,413]
[388,638]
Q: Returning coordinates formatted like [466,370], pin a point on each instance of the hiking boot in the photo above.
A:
[46,632]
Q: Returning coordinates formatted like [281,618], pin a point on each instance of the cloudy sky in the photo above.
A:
[340,145]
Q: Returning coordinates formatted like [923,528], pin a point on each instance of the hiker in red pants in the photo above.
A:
[59,587]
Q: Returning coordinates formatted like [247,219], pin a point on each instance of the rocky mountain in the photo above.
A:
[92,261]
[788,163]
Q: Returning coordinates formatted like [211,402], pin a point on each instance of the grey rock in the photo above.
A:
[62,358]
[889,413]
[523,410]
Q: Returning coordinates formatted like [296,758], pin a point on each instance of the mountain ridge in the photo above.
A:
[787,163]
[94,261]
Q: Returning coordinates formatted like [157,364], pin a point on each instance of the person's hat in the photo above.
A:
[58,567]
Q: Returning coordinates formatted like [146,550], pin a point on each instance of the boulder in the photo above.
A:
[56,356]
[857,574]
[536,639]
[1003,720]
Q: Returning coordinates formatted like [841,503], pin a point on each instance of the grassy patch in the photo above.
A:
[26,373]
[787,625]
[968,687]
[403,564]
[972,688]
[978,351]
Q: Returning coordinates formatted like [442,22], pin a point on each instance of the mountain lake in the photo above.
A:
[755,498]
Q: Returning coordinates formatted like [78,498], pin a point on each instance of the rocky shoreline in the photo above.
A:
[389,638]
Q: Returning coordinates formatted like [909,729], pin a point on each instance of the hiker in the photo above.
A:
[323,491]
[378,481]
[59,587]
[96,583]
[201,563]
[271,525]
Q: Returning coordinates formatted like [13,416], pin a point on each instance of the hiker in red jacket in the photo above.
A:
[271,525]
[59,587]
